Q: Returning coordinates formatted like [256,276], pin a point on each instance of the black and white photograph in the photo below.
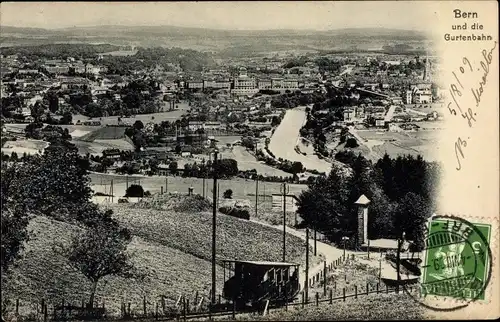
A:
[249,161]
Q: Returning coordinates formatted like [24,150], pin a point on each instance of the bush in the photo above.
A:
[242,213]
[228,194]
[351,143]
[135,190]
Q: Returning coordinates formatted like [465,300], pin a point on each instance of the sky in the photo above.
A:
[220,15]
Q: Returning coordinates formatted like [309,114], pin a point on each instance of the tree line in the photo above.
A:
[56,185]
[401,191]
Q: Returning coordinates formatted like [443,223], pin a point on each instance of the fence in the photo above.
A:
[188,308]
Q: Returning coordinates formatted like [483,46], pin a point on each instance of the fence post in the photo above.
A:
[317,299]
[129,309]
[343,293]
[17,306]
[62,308]
[156,311]
[331,295]
[302,299]
[144,305]
[324,279]
[187,306]
[184,308]
[45,313]
[355,291]
[196,298]
[367,285]
[335,286]
[219,298]
[42,305]
[377,288]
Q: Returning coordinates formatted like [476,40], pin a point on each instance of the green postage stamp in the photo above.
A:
[457,259]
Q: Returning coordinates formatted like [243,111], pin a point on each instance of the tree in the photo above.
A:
[297,167]
[135,190]
[67,118]
[53,101]
[99,252]
[226,167]
[324,205]
[411,215]
[138,125]
[228,194]
[173,167]
[14,215]
[37,110]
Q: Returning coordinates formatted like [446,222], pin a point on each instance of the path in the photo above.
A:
[368,143]
[330,252]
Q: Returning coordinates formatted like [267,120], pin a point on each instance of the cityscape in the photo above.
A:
[159,172]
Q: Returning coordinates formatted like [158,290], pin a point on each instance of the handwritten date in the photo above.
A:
[457,92]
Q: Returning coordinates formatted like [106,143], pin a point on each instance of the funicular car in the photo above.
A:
[255,282]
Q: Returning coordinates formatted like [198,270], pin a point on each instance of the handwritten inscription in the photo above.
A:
[458,93]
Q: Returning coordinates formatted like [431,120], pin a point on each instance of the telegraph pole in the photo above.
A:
[306,285]
[315,242]
[284,188]
[214,223]
[256,194]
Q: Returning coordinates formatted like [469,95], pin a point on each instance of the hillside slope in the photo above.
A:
[43,273]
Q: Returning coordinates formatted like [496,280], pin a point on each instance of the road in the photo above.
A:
[285,138]
[368,143]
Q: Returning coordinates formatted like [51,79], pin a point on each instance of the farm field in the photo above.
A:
[242,188]
[43,273]
[145,118]
[22,146]
[420,142]
[237,239]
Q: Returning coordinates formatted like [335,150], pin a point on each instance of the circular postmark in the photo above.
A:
[456,266]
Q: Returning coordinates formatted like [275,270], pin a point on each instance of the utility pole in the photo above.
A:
[315,252]
[306,285]
[112,192]
[284,191]
[214,223]
[398,261]
[256,194]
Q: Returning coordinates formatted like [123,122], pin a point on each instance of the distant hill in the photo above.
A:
[214,40]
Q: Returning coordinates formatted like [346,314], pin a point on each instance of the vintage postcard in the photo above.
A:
[249,161]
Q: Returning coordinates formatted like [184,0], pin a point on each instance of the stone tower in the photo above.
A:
[362,231]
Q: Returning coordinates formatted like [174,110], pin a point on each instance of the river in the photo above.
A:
[285,137]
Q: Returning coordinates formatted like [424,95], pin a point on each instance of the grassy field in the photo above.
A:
[368,307]
[171,251]
[237,238]
[414,143]
[242,188]
[27,146]
[43,273]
